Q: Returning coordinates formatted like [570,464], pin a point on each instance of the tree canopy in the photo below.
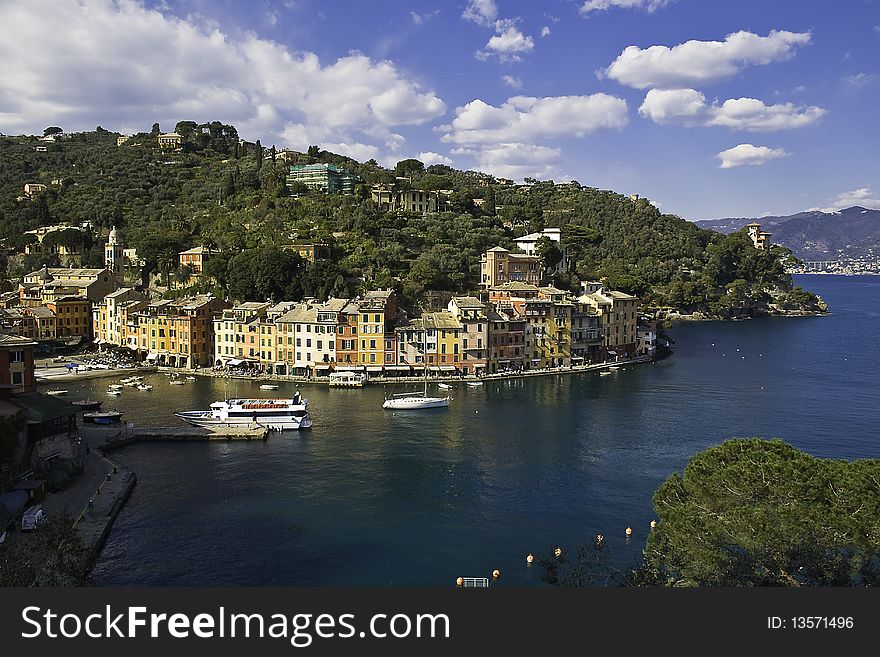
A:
[759,512]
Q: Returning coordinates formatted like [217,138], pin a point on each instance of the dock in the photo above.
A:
[113,437]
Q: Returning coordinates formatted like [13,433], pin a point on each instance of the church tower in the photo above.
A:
[113,258]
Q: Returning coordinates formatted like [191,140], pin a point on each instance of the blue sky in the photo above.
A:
[708,108]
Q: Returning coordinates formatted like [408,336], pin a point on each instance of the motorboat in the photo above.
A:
[178,382]
[474,384]
[102,417]
[346,379]
[114,392]
[56,392]
[445,386]
[144,386]
[190,378]
[268,386]
[88,404]
[115,386]
[280,414]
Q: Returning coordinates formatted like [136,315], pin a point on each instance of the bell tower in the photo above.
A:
[113,257]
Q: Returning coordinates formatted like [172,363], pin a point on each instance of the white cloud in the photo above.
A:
[689,107]
[419,19]
[356,151]
[481,12]
[604,5]
[696,62]
[748,154]
[673,106]
[137,66]
[861,197]
[753,115]
[515,160]
[430,157]
[525,118]
[545,31]
[508,44]
[511,81]
[861,80]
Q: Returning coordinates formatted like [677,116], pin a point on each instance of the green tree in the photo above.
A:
[259,155]
[52,130]
[409,167]
[550,255]
[760,512]
[265,273]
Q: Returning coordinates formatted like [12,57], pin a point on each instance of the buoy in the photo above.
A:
[558,552]
[530,558]
[496,574]
[599,540]
[653,524]
[459,582]
[629,531]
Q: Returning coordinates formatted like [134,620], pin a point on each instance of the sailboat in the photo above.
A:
[408,401]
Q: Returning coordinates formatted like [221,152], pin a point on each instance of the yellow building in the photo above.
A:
[108,325]
[618,317]
[236,334]
[377,311]
[179,333]
[433,341]
[170,140]
[73,317]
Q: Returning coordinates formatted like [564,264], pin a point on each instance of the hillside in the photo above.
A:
[221,193]
[846,234]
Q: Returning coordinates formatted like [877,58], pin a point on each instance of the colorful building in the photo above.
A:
[73,317]
[499,266]
[618,317]
[179,333]
[471,315]
[108,323]
[17,362]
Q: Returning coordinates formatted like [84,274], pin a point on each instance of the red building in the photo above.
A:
[17,363]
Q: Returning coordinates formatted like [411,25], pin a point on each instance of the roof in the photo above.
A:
[468,302]
[42,312]
[620,296]
[497,249]
[516,286]
[42,408]
[197,250]
[378,294]
[552,290]
[442,319]
[119,292]
[252,305]
[12,341]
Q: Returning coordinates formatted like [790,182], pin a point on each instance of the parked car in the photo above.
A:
[31,518]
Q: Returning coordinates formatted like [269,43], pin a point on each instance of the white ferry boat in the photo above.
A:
[279,414]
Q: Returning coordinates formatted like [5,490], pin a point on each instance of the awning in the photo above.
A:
[280,362]
[322,367]
[345,368]
[374,368]
[447,368]
[152,356]
[434,368]
[399,368]
[235,362]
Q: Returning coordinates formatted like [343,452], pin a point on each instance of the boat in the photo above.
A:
[88,404]
[445,386]
[190,378]
[604,373]
[411,401]
[56,392]
[268,386]
[474,384]
[115,393]
[115,386]
[144,386]
[346,379]
[280,414]
[614,367]
[102,417]
[178,382]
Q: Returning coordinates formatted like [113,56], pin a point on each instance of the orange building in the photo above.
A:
[73,317]
[179,333]
[17,362]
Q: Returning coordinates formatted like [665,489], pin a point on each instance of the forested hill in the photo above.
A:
[224,194]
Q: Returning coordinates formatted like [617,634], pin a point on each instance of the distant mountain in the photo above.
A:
[814,235]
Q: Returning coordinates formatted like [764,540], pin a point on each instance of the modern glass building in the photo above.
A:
[327,178]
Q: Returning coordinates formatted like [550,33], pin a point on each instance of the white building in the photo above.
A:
[528,243]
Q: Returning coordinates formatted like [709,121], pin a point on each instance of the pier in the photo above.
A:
[113,437]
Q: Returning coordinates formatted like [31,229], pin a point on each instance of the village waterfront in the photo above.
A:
[370,497]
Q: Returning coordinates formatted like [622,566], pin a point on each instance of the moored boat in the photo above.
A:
[56,392]
[474,384]
[88,404]
[280,414]
[445,386]
[346,379]
[268,386]
[144,386]
[102,417]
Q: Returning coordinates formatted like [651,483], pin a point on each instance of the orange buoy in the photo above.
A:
[530,558]
[653,524]
[459,582]
[558,552]
[629,531]
[496,574]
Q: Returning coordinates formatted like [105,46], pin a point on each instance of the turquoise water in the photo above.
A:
[368,497]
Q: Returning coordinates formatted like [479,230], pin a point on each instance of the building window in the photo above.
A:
[16,356]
